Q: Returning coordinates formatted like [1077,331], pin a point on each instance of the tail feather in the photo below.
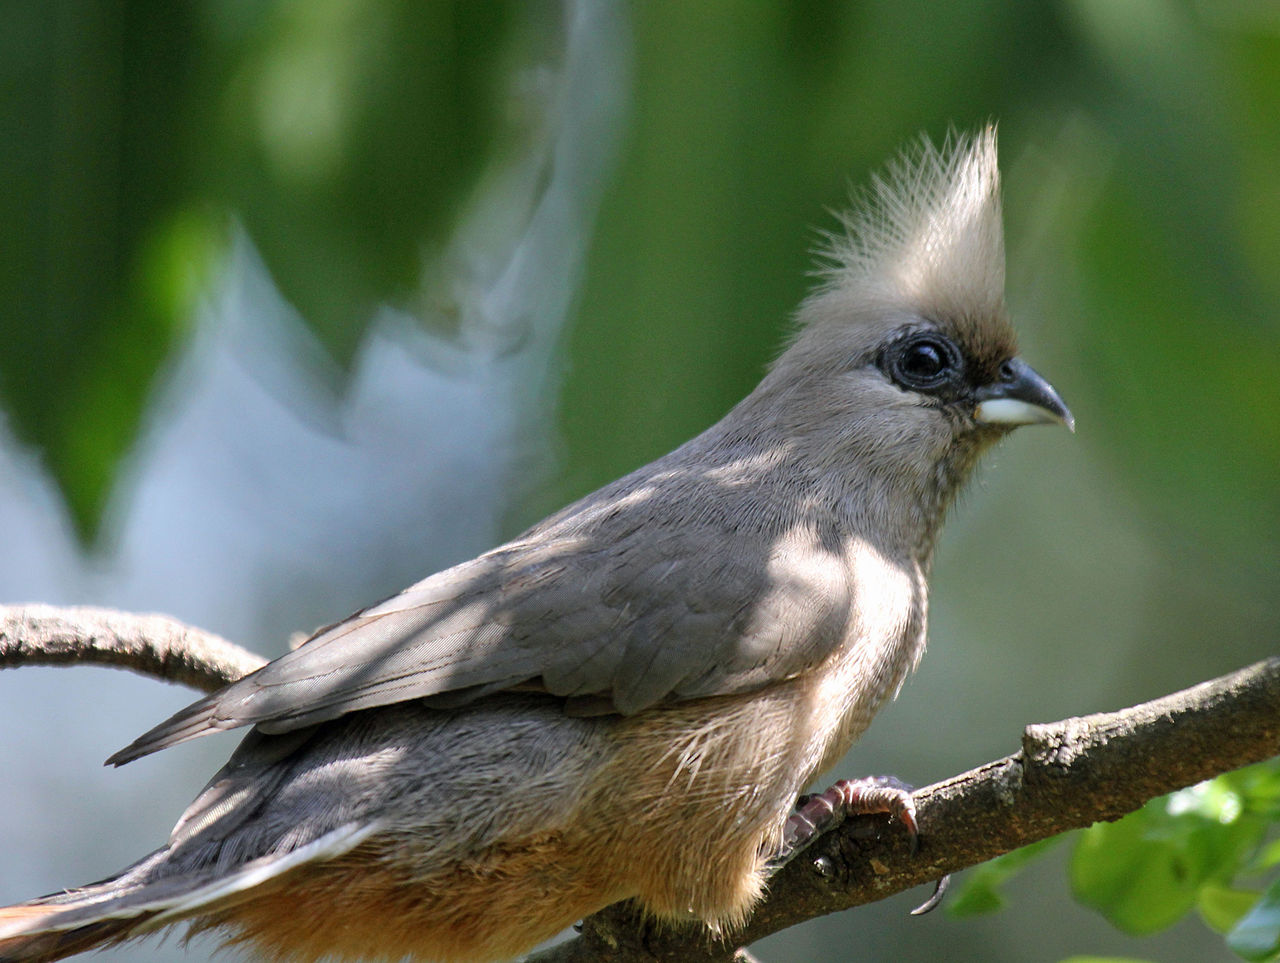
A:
[73,921]
[142,898]
[45,941]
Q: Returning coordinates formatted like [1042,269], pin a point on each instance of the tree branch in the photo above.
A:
[1069,774]
[153,645]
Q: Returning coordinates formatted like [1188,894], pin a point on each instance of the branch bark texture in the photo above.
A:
[1067,775]
[153,645]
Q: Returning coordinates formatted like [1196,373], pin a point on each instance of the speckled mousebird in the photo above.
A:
[625,700]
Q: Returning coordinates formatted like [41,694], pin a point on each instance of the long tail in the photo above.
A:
[47,944]
[63,924]
[143,898]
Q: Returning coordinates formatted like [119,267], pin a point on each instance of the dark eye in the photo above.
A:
[922,362]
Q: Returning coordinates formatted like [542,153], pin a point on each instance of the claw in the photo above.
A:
[935,898]
[817,812]
[814,814]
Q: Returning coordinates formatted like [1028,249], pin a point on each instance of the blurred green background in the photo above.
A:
[303,300]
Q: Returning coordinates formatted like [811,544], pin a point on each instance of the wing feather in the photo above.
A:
[599,601]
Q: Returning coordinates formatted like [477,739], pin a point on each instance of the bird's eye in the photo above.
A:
[922,362]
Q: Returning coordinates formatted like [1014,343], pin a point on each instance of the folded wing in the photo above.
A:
[613,608]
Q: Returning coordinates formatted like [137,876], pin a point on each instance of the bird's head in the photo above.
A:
[904,365]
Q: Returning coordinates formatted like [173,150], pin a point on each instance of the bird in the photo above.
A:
[626,700]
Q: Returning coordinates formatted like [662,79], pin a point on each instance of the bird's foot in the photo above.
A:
[816,813]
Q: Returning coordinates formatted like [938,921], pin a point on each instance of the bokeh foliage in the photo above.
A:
[1210,849]
[340,133]
[1142,136]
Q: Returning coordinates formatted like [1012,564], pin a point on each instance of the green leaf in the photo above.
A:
[1137,881]
[1257,935]
[1222,907]
[1269,855]
[1259,788]
[1147,870]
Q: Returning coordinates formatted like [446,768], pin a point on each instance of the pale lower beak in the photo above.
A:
[1021,397]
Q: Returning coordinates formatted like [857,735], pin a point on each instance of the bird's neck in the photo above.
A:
[841,484]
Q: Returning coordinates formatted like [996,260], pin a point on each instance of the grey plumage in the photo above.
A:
[624,700]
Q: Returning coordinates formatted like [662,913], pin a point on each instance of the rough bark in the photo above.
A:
[153,645]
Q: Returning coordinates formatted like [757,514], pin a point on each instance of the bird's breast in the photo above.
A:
[883,643]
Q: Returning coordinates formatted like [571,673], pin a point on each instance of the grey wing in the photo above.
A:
[636,618]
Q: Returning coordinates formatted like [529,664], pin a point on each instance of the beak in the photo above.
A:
[1021,397]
